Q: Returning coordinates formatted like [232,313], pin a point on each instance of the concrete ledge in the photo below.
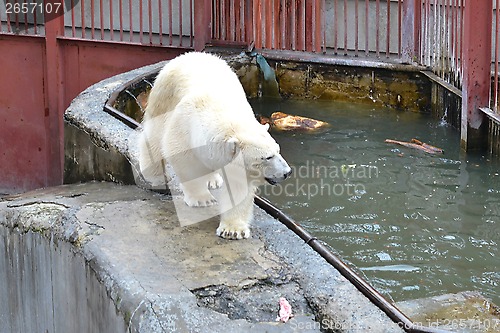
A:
[101,257]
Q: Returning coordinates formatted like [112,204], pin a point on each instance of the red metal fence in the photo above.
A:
[328,26]
[95,39]
[153,22]
[441,42]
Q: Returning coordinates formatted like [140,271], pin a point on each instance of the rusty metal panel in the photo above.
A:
[24,139]
[88,62]
[477,73]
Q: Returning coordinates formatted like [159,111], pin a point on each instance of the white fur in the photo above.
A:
[198,120]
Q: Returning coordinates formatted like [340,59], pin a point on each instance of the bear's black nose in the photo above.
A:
[288,174]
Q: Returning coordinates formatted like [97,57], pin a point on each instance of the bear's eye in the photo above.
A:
[269,157]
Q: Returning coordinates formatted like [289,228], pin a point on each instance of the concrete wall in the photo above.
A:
[47,286]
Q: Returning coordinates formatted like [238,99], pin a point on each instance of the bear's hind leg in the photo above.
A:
[150,163]
[196,193]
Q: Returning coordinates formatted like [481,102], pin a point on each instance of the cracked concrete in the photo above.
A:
[117,257]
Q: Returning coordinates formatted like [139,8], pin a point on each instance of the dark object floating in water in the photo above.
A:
[287,122]
[417,144]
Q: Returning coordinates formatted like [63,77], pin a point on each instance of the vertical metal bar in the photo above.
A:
[388,32]
[268,16]
[435,42]
[223,18]
[283,24]
[82,9]
[9,27]
[462,28]
[180,23]
[258,24]
[400,18]
[25,20]
[243,12]
[276,24]
[101,17]
[412,31]
[318,26]
[54,106]
[477,72]
[73,25]
[202,21]
[92,19]
[429,40]
[131,20]
[449,69]
[140,22]
[302,23]
[323,23]
[237,20]
[335,26]
[1,22]
[17,17]
[438,40]
[367,45]
[120,11]
[249,22]
[111,25]
[356,27]
[443,45]
[294,25]
[457,41]
[231,22]
[495,84]
[452,42]
[215,19]
[191,32]
[345,27]
[160,23]
[423,41]
[377,27]
[150,21]
[35,24]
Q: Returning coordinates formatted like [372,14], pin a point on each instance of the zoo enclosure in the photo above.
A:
[55,54]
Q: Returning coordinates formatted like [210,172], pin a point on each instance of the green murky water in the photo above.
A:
[415,225]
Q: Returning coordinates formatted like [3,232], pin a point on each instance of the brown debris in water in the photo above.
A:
[417,144]
[287,122]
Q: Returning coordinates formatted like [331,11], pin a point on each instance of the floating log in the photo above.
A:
[417,144]
[287,122]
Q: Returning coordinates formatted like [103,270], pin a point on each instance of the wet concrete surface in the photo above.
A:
[138,270]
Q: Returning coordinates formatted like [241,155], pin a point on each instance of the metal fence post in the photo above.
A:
[410,31]
[54,105]
[476,72]
[202,23]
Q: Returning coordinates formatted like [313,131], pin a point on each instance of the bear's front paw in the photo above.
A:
[233,232]
[215,181]
[200,200]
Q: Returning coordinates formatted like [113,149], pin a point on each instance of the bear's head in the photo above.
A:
[261,156]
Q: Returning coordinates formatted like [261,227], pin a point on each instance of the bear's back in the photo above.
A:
[192,73]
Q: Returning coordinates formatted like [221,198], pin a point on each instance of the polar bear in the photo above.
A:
[198,120]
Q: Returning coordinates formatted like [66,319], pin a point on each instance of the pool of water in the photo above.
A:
[414,224]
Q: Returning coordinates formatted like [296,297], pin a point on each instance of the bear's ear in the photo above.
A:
[266,126]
